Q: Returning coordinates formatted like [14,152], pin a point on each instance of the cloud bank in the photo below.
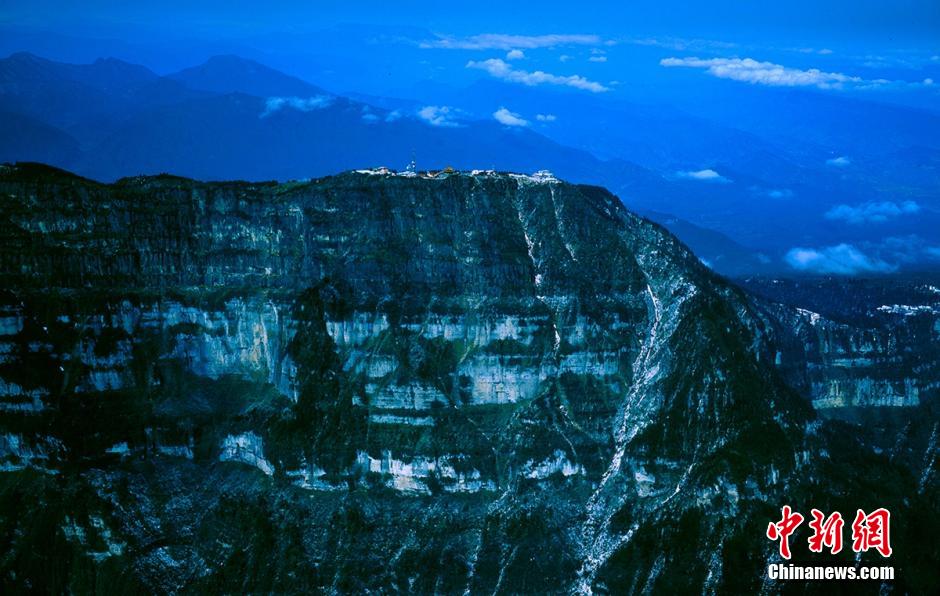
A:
[885,256]
[706,175]
[842,259]
[872,212]
[301,104]
[438,115]
[752,71]
[500,41]
[504,116]
[681,44]
[502,70]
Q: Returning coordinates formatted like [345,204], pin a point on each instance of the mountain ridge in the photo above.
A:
[233,74]
[512,382]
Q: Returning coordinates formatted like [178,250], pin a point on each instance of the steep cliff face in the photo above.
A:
[483,382]
[892,364]
[875,364]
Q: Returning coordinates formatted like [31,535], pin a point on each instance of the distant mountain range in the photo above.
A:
[235,118]
[732,187]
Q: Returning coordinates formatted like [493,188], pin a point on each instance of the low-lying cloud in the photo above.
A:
[820,51]
[504,116]
[884,256]
[755,72]
[839,162]
[681,44]
[707,175]
[502,70]
[875,212]
[500,41]
[842,259]
[546,117]
[438,115]
[301,104]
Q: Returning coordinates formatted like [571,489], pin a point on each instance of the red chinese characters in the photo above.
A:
[872,531]
[781,530]
[869,531]
[826,532]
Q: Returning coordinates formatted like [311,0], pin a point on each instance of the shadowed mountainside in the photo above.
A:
[484,382]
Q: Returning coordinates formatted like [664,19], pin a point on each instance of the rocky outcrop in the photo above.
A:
[468,382]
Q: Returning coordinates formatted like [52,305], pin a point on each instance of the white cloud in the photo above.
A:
[706,175]
[515,55]
[822,51]
[884,256]
[598,59]
[842,259]
[780,193]
[301,104]
[437,115]
[393,116]
[502,70]
[751,71]
[546,117]
[906,249]
[872,212]
[679,44]
[564,58]
[499,41]
[839,162]
[504,116]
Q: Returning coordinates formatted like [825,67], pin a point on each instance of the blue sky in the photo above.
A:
[875,22]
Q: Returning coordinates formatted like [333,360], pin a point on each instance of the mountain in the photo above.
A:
[232,74]
[824,119]
[246,137]
[82,99]
[234,118]
[49,91]
[24,138]
[715,249]
[658,137]
[450,382]
[104,74]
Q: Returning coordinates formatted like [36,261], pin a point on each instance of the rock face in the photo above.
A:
[412,383]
